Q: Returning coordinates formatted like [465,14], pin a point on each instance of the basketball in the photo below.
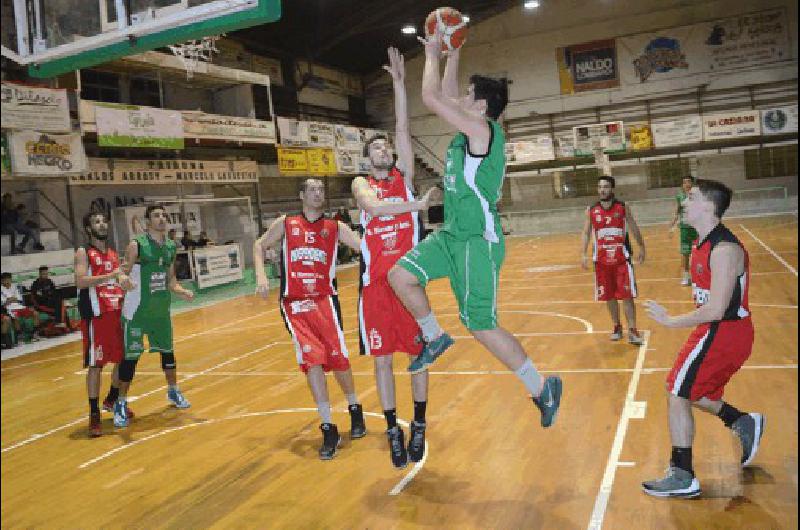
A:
[451,25]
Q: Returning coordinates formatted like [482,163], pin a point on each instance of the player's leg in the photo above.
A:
[428,261]
[159,333]
[315,376]
[133,346]
[94,367]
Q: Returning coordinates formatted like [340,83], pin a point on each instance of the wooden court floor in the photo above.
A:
[244,455]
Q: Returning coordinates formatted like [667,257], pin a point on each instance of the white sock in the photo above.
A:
[530,377]
[352,399]
[430,327]
[324,412]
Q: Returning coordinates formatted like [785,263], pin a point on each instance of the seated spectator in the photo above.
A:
[12,301]
[14,222]
[203,240]
[187,242]
[10,330]
[46,298]
[172,234]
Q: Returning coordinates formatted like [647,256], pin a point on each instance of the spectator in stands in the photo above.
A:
[203,240]
[187,242]
[46,298]
[14,222]
[12,302]
[10,330]
[172,234]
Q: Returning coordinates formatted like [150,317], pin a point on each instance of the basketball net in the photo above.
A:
[601,158]
[192,52]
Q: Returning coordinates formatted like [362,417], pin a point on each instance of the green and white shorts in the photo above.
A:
[473,266]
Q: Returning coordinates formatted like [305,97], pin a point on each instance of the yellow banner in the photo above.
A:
[321,162]
[641,137]
[292,161]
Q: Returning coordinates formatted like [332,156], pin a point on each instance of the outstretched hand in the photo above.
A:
[432,43]
[396,66]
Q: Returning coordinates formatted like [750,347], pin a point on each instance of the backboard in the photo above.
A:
[55,37]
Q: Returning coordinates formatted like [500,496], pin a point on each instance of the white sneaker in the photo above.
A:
[687,280]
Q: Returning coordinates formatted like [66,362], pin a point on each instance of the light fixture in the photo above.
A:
[465,18]
[531,4]
[409,29]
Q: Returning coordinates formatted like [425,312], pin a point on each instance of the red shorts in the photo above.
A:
[385,324]
[711,355]
[614,282]
[26,312]
[102,339]
[315,325]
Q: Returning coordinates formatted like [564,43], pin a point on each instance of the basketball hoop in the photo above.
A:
[192,52]
[601,158]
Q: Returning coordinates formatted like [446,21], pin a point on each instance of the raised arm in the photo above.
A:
[402,143]
[348,237]
[82,278]
[637,234]
[475,127]
[368,200]
[450,79]
[270,238]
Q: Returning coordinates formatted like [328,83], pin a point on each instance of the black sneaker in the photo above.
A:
[330,441]
[397,447]
[358,429]
[749,429]
[416,443]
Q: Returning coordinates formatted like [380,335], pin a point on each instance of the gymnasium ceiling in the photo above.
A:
[352,35]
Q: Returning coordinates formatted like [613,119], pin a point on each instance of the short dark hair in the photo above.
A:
[5,275]
[689,178]
[373,138]
[87,218]
[304,183]
[44,268]
[493,91]
[609,179]
[151,208]
[716,192]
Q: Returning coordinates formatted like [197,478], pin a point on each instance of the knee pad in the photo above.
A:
[167,360]
[126,370]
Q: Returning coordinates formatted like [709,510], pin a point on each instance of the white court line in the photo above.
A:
[39,436]
[601,501]
[578,302]
[774,254]
[396,490]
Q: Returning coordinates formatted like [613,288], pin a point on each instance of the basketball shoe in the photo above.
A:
[120,415]
[95,426]
[617,333]
[549,400]
[416,442]
[108,406]
[749,429]
[430,352]
[358,428]
[634,337]
[397,447]
[176,397]
[677,483]
[330,441]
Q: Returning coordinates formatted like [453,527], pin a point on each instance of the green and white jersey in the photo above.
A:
[473,186]
[681,198]
[150,275]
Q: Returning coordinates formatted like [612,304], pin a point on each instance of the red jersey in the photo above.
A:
[610,230]
[105,297]
[387,238]
[738,306]
[308,257]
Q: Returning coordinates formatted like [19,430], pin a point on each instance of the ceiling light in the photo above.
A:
[465,18]
[531,4]
[409,29]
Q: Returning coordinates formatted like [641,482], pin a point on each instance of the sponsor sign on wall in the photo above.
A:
[536,149]
[321,134]
[731,125]
[565,144]
[234,128]
[46,154]
[347,137]
[293,133]
[677,131]
[587,66]
[116,171]
[217,265]
[639,135]
[779,120]
[135,126]
[742,41]
[41,109]
[321,162]
[610,136]
[292,161]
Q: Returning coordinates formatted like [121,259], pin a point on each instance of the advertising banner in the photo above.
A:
[40,109]
[565,144]
[321,162]
[742,41]
[609,135]
[588,66]
[347,137]
[727,125]
[779,120]
[678,131]
[292,161]
[216,127]
[217,265]
[117,171]
[293,133]
[639,135]
[135,126]
[321,134]
[46,154]
[347,161]
[536,149]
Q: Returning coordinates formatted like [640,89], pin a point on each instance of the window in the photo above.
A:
[768,162]
[145,92]
[667,172]
[580,182]
[100,86]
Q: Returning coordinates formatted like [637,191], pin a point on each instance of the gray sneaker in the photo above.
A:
[549,400]
[677,483]
[432,351]
[749,429]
